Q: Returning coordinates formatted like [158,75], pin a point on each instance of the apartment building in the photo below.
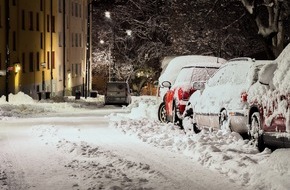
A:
[43,47]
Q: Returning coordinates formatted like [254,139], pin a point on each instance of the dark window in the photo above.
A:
[41,40]
[80,10]
[31,64]
[41,5]
[23,63]
[47,23]
[80,39]
[53,60]
[76,10]
[48,60]
[76,40]
[53,24]
[30,20]
[37,21]
[23,19]
[37,61]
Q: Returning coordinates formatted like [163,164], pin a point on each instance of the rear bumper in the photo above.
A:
[117,100]
[181,108]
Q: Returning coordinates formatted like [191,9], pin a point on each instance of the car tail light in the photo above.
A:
[185,95]
[244,97]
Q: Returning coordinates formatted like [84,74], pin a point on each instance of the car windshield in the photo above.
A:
[191,74]
[116,86]
[231,74]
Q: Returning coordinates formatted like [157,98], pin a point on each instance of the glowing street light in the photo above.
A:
[108,14]
[129,32]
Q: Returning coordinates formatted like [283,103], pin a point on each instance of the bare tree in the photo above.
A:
[271,17]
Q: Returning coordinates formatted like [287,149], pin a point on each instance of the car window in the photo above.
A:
[188,75]
[184,75]
[230,74]
[202,74]
[116,86]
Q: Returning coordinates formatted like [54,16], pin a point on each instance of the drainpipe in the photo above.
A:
[51,44]
[7,59]
[88,46]
[64,46]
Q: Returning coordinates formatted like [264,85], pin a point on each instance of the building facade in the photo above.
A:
[43,47]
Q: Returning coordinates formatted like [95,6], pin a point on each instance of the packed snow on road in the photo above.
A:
[82,144]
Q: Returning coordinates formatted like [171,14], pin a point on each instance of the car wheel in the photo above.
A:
[255,132]
[175,118]
[162,113]
[224,122]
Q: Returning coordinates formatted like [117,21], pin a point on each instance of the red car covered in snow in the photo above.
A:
[269,116]
[177,97]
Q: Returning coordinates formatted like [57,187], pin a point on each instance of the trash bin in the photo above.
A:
[78,95]
[94,94]
[39,95]
[47,95]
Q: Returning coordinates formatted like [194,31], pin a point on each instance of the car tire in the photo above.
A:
[162,113]
[255,132]
[175,119]
[224,122]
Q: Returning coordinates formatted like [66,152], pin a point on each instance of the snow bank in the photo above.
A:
[22,105]
[221,151]
[225,152]
[16,99]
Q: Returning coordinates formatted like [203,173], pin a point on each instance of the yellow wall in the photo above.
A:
[24,42]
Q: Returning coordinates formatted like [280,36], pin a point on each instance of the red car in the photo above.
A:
[178,95]
[269,116]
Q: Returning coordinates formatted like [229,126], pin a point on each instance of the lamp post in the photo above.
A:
[7,59]
[88,49]
[112,64]
[110,59]
[111,47]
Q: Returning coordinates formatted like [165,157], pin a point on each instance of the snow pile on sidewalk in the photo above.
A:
[221,151]
[22,105]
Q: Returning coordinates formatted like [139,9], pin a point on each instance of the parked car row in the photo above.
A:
[246,96]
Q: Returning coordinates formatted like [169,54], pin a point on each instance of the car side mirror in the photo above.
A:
[166,84]
[198,85]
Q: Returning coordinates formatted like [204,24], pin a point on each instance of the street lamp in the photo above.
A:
[129,32]
[111,47]
[108,14]
[110,59]
[113,44]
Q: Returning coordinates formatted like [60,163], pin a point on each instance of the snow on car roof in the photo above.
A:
[175,65]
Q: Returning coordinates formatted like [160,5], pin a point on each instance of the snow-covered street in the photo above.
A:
[72,145]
